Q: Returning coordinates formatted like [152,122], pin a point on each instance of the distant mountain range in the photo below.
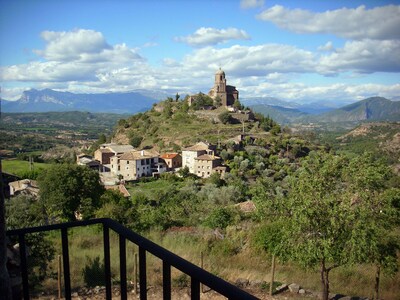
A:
[49,100]
[370,109]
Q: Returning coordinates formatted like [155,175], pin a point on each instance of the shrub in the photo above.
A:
[225,117]
[93,272]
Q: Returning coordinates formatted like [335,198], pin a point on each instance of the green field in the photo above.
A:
[15,166]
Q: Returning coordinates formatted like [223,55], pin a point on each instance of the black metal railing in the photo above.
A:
[198,275]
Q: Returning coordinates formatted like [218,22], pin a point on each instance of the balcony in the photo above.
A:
[197,275]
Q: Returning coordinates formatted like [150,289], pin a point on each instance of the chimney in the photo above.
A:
[142,153]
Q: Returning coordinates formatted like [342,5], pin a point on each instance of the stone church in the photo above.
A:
[227,93]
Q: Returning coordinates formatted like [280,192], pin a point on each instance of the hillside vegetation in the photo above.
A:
[171,125]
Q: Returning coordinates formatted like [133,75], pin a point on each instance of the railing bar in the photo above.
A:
[107,264]
[142,274]
[65,254]
[166,281]
[122,266]
[194,289]
[24,266]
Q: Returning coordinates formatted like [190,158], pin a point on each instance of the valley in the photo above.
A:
[190,215]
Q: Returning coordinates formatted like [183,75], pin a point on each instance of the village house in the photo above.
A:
[190,153]
[205,164]
[88,161]
[133,165]
[106,151]
[172,160]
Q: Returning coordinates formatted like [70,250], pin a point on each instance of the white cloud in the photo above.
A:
[327,47]
[206,36]
[359,23]
[79,55]
[66,46]
[366,56]
[252,60]
[339,92]
[245,4]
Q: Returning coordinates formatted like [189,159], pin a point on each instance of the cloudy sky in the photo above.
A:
[300,51]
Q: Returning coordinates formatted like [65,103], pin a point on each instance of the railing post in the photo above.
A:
[194,289]
[24,266]
[166,281]
[107,264]
[65,254]
[142,274]
[122,266]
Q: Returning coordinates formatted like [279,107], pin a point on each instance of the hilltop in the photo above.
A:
[169,125]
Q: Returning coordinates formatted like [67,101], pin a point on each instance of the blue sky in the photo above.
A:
[301,51]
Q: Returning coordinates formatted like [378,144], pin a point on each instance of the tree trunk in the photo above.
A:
[272,276]
[377,279]
[324,280]
[5,288]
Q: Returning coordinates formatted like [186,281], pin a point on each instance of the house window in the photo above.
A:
[127,162]
[119,168]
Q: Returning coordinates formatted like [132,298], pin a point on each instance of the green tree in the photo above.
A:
[219,218]
[135,141]
[237,105]
[26,211]
[330,214]
[380,214]
[225,117]
[69,189]
[201,101]
[218,101]
[102,139]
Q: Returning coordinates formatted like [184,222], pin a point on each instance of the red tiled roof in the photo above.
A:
[169,155]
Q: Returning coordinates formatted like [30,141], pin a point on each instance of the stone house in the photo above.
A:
[133,165]
[106,151]
[190,153]
[172,160]
[205,164]
[88,161]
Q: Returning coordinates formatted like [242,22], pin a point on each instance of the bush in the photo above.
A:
[219,218]
[94,273]
[225,117]
[135,141]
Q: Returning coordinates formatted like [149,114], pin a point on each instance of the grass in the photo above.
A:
[15,166]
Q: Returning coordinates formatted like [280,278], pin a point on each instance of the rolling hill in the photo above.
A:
[370,109]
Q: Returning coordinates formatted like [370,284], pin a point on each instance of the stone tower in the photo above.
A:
[227,93]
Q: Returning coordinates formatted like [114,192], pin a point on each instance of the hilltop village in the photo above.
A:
[122,162]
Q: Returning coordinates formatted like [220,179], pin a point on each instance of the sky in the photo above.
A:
[301,51]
